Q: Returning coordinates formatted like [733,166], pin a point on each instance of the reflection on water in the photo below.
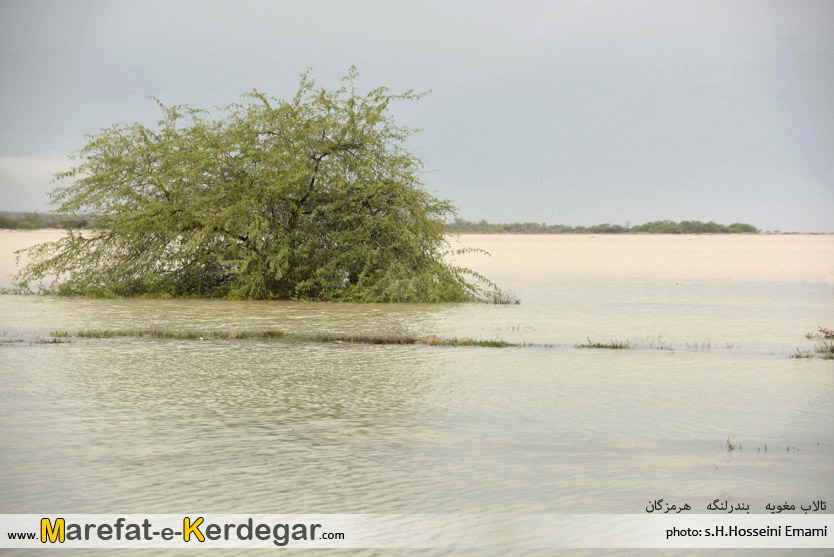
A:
[138,425]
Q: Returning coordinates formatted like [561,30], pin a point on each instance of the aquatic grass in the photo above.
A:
[364,338]
[823,333]
[485,343]
[392,335]
[611,345]
[180,335]
[539,344]
[434,340]
[6,340]
[823,345]
[50,340]
[649,343]
[658,343]
[699,345]
[100,333]
[501,297]
[737,447]
[383,338]
[707,344]
[55,337]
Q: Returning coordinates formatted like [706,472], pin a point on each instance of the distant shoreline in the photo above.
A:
[653,227]
[477,233]
[28,222]
[490,233]
[462,226]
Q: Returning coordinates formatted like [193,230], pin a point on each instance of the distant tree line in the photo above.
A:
[655,227]
[33,221]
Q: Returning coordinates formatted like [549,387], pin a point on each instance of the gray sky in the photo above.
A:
[557,112]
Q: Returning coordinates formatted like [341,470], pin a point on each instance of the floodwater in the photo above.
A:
[166,426]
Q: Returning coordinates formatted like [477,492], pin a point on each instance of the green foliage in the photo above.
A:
[740,227]
[311,198]
[8,222]
[692,227]
[22,221]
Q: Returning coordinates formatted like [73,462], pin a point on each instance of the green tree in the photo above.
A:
[743,228]
[8,222]
[311,198]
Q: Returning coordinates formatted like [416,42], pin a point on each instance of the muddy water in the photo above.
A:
[139,425]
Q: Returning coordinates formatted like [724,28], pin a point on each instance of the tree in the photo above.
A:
[743,228]
[311,198]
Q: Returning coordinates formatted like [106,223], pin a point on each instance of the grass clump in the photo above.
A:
[55,337]
[5,340]
[611,345]
[823,345]
[501,297]
[466,341]
[648,343]
[101,333]
[434,340]
[366,338]
[487,343]
[705,344]
[658,343]
[50,340]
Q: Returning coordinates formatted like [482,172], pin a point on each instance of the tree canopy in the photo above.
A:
[316,197]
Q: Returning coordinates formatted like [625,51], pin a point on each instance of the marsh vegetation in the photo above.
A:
[273,334]
[823,346]
[646,343]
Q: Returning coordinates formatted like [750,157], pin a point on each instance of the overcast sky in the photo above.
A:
[557,112]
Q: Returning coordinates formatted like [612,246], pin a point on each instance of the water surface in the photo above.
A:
[164,426]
